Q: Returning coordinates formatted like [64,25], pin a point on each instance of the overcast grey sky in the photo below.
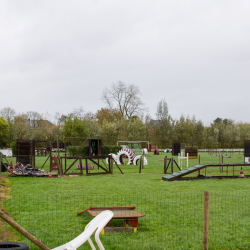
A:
[59,55]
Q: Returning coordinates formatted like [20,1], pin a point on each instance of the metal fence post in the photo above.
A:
[205,220]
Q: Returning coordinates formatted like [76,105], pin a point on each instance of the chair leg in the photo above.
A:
[97,240]
[91,244]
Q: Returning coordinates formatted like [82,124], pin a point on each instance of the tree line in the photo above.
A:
[123,119]
[111,127]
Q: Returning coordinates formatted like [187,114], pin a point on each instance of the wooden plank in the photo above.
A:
[99,173]
[118,213]
[70,166]
[97,157]
[21,230]
[99,165]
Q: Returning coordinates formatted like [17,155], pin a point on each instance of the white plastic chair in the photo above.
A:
[94,226]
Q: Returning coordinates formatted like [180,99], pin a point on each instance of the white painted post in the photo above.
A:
[179,159]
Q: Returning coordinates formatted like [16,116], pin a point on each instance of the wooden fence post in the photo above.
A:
[111,164]
[142,160]
[165,165]
[172,165]
[205,220]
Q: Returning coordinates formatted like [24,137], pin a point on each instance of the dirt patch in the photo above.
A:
[4,190]
[5,233]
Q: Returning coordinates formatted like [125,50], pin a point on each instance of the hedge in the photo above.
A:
[84,151]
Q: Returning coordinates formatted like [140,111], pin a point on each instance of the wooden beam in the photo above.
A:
[23,231]
[70,166]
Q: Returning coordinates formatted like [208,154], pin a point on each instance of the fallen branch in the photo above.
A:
[23,231]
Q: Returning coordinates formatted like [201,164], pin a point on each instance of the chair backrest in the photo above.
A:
[95,225]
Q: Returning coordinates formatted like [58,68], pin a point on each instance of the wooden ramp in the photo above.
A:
[178,174]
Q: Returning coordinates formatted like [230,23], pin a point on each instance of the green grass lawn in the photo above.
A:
[47,207]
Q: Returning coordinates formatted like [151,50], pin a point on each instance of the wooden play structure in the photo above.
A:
[129,214]
[87,163]
[58,162]
[95,146]
[177,147]
[170,162]
[25,152]
[192,153]
[179,175]
[247,151]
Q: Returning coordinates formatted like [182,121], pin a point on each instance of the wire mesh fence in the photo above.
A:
[171,221]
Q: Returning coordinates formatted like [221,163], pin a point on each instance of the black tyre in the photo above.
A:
[3,168]
[13,246]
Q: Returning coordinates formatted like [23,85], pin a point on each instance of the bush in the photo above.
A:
[110,149]
[13,147]
[78,151]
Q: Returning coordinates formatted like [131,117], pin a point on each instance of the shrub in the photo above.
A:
[13,147]
[110,149]
[78,151]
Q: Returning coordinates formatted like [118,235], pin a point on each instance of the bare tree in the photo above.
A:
[79,113]
[33,118]
[8,114]
[124,98]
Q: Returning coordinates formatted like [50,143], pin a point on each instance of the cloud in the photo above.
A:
[59,55]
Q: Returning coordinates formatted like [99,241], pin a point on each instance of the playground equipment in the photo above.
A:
[149,147]
[156,151]
[127,213]
[127,152]
[25,152]
[139,157]
[113,156]
[180,158]
[178,147]
[167,162]
[247,151]
[192,153]
[179,175]
[136,145]
[95,146]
